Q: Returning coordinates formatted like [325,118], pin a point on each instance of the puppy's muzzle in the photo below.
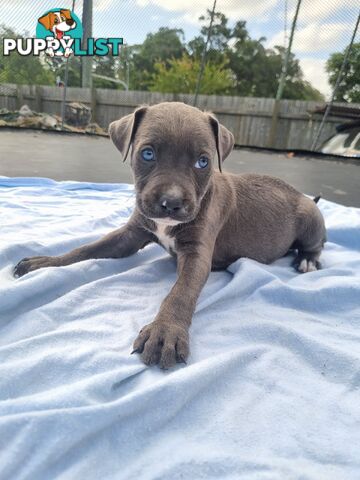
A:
[165,203]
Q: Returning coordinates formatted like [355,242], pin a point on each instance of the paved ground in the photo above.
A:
[83,158]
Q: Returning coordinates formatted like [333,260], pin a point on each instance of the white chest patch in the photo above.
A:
[166,240]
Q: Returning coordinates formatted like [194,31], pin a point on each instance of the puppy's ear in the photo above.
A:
[66,12]
[45,21]
[224,140]
[122,131]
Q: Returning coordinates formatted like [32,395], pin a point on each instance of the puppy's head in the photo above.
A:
[58,22]
[174,147]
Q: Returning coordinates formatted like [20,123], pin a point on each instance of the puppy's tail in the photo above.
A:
[316,199]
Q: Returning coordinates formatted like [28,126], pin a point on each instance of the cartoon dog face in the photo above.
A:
[58,22]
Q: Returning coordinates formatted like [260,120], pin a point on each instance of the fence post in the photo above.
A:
[38,102]
[274,124]
[19,96]
[93,104]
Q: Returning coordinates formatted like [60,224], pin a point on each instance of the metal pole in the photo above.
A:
[280,90]
[202,66]
[337,84]
[86,61]
[65,83]
[286,24]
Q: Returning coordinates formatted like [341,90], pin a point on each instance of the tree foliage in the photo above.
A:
[349,88]
[181,76]
[256,68]
[18,69]
[162,46]
[106,66]
[57,65]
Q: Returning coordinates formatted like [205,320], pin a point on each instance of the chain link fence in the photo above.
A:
[223,48]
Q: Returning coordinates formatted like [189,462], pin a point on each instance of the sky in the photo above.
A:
[324,26]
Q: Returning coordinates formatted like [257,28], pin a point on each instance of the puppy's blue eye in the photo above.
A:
[203,162]
[148,154]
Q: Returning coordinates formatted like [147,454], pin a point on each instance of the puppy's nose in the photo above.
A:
[171,204]
[69,22]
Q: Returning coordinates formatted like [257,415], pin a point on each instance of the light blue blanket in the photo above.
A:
[271,389]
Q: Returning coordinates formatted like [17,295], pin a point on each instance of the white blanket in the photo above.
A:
[271,389]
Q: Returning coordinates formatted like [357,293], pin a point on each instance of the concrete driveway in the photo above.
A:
[59,156]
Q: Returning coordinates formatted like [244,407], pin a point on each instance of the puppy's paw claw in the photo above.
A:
[163,344]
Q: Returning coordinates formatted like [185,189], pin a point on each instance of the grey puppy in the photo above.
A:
[205,218]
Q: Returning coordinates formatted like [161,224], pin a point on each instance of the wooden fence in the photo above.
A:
[250,119]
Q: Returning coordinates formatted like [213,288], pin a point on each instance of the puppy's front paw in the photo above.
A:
[27,265]
[163,343]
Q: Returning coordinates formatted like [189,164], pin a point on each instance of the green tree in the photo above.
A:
[107,67]
[180,76]
[349,89]
[219,39]
[57,65]
[162,46]
[256,69]
[15,68]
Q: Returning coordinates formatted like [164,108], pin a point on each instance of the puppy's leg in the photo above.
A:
[166,339]
[310,241]
[121,243]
